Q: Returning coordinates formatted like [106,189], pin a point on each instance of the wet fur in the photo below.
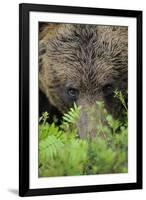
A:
[87,57]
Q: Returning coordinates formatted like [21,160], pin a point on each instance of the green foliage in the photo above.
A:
[70,119]
[63,153]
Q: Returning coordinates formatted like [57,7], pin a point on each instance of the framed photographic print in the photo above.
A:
[80,100]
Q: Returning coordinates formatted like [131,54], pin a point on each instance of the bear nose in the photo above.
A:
[83,122]
[87,123]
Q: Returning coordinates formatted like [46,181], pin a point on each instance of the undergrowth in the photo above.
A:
[63,153]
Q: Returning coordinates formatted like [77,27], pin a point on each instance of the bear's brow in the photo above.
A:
[80,46]
[86,50]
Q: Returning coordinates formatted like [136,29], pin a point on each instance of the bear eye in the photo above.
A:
[72,93]
[108,89]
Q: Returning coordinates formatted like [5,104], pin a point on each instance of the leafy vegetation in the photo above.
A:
[63,153]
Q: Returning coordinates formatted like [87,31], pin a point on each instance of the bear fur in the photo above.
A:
[82,64]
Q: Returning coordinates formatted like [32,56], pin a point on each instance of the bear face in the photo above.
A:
[83,64]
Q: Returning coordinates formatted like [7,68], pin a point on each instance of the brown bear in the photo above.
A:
[82,64]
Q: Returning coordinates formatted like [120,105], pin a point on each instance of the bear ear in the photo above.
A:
[42,26]
[47,30]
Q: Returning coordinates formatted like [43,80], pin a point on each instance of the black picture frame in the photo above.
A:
[24,10]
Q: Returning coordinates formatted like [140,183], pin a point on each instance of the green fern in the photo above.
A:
[63,153]
[71,118]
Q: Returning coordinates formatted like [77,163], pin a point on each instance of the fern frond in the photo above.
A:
[49,148]
[73,115]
